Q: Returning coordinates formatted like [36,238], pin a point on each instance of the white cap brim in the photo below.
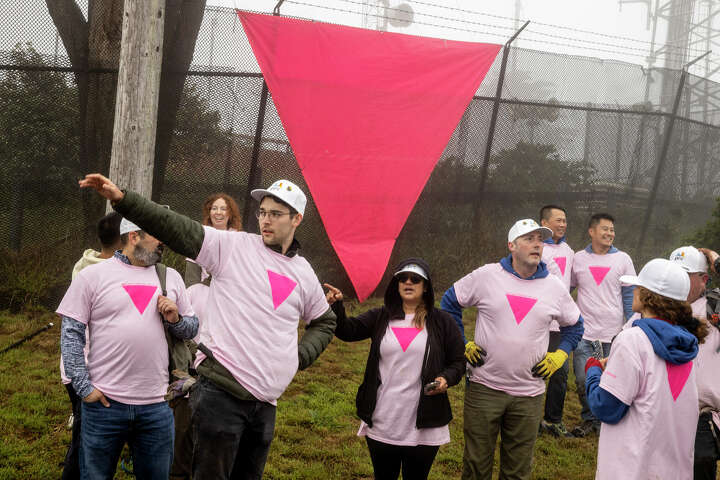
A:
[260,193]
[546,233]
[412,268]
[635,280]
[126,226]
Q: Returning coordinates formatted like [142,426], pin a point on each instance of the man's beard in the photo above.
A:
[145,257]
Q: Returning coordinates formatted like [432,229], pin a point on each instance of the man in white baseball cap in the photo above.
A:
[707,363]
[250,352]
[516,300]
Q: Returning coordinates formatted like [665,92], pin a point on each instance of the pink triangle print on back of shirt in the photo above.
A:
[140,295]
[405,336]
[677,377]
[281,287]
[599,273]
[520,306]
[561,263]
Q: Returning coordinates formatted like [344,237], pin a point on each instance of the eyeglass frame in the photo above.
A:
[271,214]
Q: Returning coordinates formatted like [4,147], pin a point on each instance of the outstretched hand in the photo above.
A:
[103,186]
[333,294]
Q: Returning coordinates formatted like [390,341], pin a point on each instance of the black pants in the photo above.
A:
[71,466]
[388,459]
[557,385]
[706,449]
[181,468]
[231,437]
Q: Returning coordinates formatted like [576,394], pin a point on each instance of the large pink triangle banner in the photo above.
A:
[368,115]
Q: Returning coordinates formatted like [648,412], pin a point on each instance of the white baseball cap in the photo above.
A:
[690,258]
[286,191]
[413,268]
[663,277]
[525,226]
[127,226]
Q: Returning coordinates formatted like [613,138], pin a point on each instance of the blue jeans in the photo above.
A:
[581,354]
[147,429]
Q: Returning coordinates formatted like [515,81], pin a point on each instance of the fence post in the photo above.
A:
[254,174]
[491,130]
[663,155]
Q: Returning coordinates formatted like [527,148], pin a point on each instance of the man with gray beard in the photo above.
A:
[125,378]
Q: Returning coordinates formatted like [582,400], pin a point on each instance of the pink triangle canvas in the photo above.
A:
[280,287]
[677,377]
[561,263]
[598,273]
[368,115]
[405,336]
[140,295]
[520,306]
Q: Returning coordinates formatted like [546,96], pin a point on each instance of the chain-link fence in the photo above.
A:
[588,134]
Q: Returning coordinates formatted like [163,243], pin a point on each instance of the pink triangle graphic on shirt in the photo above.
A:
[677,377]
[520,306]
[561,262]
[140,295]
[405,335]
[281,287]
[599,273]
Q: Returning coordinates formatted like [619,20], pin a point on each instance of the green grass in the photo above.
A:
[315,429]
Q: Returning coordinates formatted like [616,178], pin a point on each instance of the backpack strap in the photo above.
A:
[161,270]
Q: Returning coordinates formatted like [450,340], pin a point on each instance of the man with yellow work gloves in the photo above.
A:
[516,301]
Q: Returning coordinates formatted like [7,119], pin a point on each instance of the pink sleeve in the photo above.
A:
[216,248]
[623,374]
[315,301]
[573,278]
[77,302]
[569,311]
[182,299]
[467,289]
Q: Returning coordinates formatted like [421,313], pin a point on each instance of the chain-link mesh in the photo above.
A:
[584,133]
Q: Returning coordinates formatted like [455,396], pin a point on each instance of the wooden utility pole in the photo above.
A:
[136,104]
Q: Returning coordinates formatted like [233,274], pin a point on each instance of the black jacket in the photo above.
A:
[444,357]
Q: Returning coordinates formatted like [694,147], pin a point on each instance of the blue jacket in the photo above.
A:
[672,343]
[570,336]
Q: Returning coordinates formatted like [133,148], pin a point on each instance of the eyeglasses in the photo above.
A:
[272,214]
[414,279]
[216,209]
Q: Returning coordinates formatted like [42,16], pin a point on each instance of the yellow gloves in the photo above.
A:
[548,365]
[474,354]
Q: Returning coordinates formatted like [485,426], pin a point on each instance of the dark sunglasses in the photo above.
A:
[414,279]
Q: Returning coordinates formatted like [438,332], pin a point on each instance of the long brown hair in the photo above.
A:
[673,311]
[420,316]
[234,217]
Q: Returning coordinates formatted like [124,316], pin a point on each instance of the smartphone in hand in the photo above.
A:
[431,386]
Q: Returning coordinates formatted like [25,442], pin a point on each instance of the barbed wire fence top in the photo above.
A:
[581,132]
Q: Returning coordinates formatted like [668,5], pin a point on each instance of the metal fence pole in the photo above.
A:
[663,155]
[491,130]
[254,174]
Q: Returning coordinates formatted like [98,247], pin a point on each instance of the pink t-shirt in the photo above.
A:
[599,296]
[128,357]
[256,299]
[402,350]
[656,437]
[707,362]
[513,324]
[559,259]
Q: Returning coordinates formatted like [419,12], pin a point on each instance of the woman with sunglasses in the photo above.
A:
[416,353]
[645,392]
